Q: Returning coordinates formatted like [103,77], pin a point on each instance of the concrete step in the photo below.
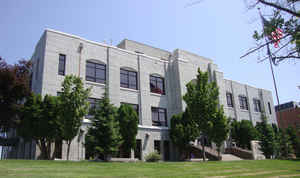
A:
[230,157]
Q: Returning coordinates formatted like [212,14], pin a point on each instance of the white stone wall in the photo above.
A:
[177,68]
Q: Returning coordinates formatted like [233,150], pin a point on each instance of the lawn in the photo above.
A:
[263,168]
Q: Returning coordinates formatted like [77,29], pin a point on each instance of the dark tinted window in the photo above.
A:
[257,107]
[243,102]
[159,116]
[62,64]
[157,146]
[269,105]
[157,85]
[229,99]
[134,106]
[93,105]
[128,79]
[95,72]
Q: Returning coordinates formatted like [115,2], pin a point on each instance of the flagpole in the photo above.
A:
[271,65]
[274,81]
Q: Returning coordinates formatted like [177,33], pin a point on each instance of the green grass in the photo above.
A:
[263,168]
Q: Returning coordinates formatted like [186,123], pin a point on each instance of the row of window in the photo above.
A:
[159,115]
[243,101]
[128,79]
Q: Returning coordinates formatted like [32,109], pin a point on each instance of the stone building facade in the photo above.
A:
[151,79]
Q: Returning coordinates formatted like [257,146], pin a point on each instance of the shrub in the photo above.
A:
[153,157]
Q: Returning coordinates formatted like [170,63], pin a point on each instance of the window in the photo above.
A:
[159,117]
[243,102]
[257,107]
[229,99]
[93,105]
[61,64]
[95,72]
[134,106]
[157,85]
[269,106]
[128,79]
[157,146]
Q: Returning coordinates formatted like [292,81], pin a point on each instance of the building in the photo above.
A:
[151,79]
[288,115]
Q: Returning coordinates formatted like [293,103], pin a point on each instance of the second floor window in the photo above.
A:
[134,106]
[257,107]
[128,79]
[157,85]
[229,99]
[62,64]
[269,106]
[95,72]
[93,105]
[243,102]
[159,116]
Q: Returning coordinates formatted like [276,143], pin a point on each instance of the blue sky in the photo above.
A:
[220,30]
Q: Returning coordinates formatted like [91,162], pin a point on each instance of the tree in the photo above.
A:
[267,138]
[183,131]
[128,123]
[202,102]
[294,139]
[39,121]
[73,107]
[285,144]
[14,87]
[220,129]
[285,18]
[243,132]
[103,137]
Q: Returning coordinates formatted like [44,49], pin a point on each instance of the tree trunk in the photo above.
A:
[68,149]
[43,149]
[48,147]
[203,149]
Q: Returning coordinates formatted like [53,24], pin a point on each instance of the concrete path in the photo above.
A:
[230,157]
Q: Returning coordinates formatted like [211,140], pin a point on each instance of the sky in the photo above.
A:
[219,30]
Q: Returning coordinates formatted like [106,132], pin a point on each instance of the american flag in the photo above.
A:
[276,36]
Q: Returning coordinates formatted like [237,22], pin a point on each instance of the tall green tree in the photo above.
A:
[267,138]
[128,123]
[14,88]
[103,137]
[295,140]
[39,121]
[73,107]
[202,102]
[183,131]
[220,129]
[243,132]
[285,144]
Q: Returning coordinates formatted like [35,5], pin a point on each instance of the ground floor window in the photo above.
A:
[157,146]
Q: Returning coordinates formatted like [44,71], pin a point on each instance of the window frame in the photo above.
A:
[257,105]
[96,101]
[96,67]
[159,121]
[128,74]
[230,101]
[243,100]
[155,79]
[137,109]
[62,71]
[269,106]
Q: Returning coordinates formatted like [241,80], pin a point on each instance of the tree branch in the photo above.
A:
[280,8]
